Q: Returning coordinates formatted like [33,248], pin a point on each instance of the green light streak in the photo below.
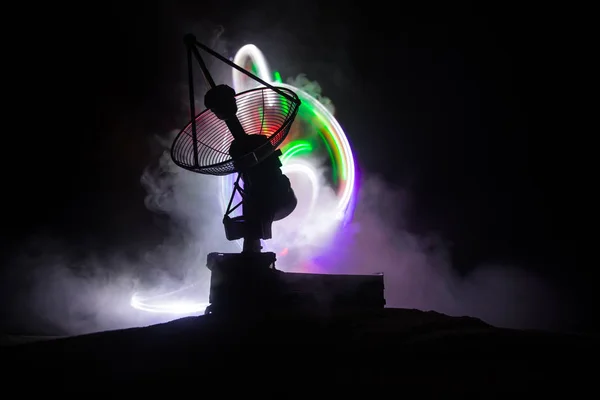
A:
[338,146]
[310,112]
[295,148]
[325,132]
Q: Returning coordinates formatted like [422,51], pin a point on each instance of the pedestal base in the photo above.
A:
[244,283]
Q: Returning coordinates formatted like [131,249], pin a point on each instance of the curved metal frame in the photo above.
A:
[227,167]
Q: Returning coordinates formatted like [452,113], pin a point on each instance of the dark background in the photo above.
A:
[474,111]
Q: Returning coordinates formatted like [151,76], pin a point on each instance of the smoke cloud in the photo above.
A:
[418,273]
[66,294]
[313,88]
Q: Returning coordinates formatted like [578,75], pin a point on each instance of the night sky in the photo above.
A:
[466,109]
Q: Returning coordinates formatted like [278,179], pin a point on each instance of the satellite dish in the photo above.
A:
[240,133]
[204,145]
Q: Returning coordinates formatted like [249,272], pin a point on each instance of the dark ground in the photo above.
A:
[399,349]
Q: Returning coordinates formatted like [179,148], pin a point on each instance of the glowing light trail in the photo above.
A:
[169,303]
[317,114]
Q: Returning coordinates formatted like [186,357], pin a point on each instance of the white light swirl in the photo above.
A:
[250,52]
[307,170]
[328,119]
[167,303]
[241,83]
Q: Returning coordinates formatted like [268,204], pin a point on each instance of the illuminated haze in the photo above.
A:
[74,295]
